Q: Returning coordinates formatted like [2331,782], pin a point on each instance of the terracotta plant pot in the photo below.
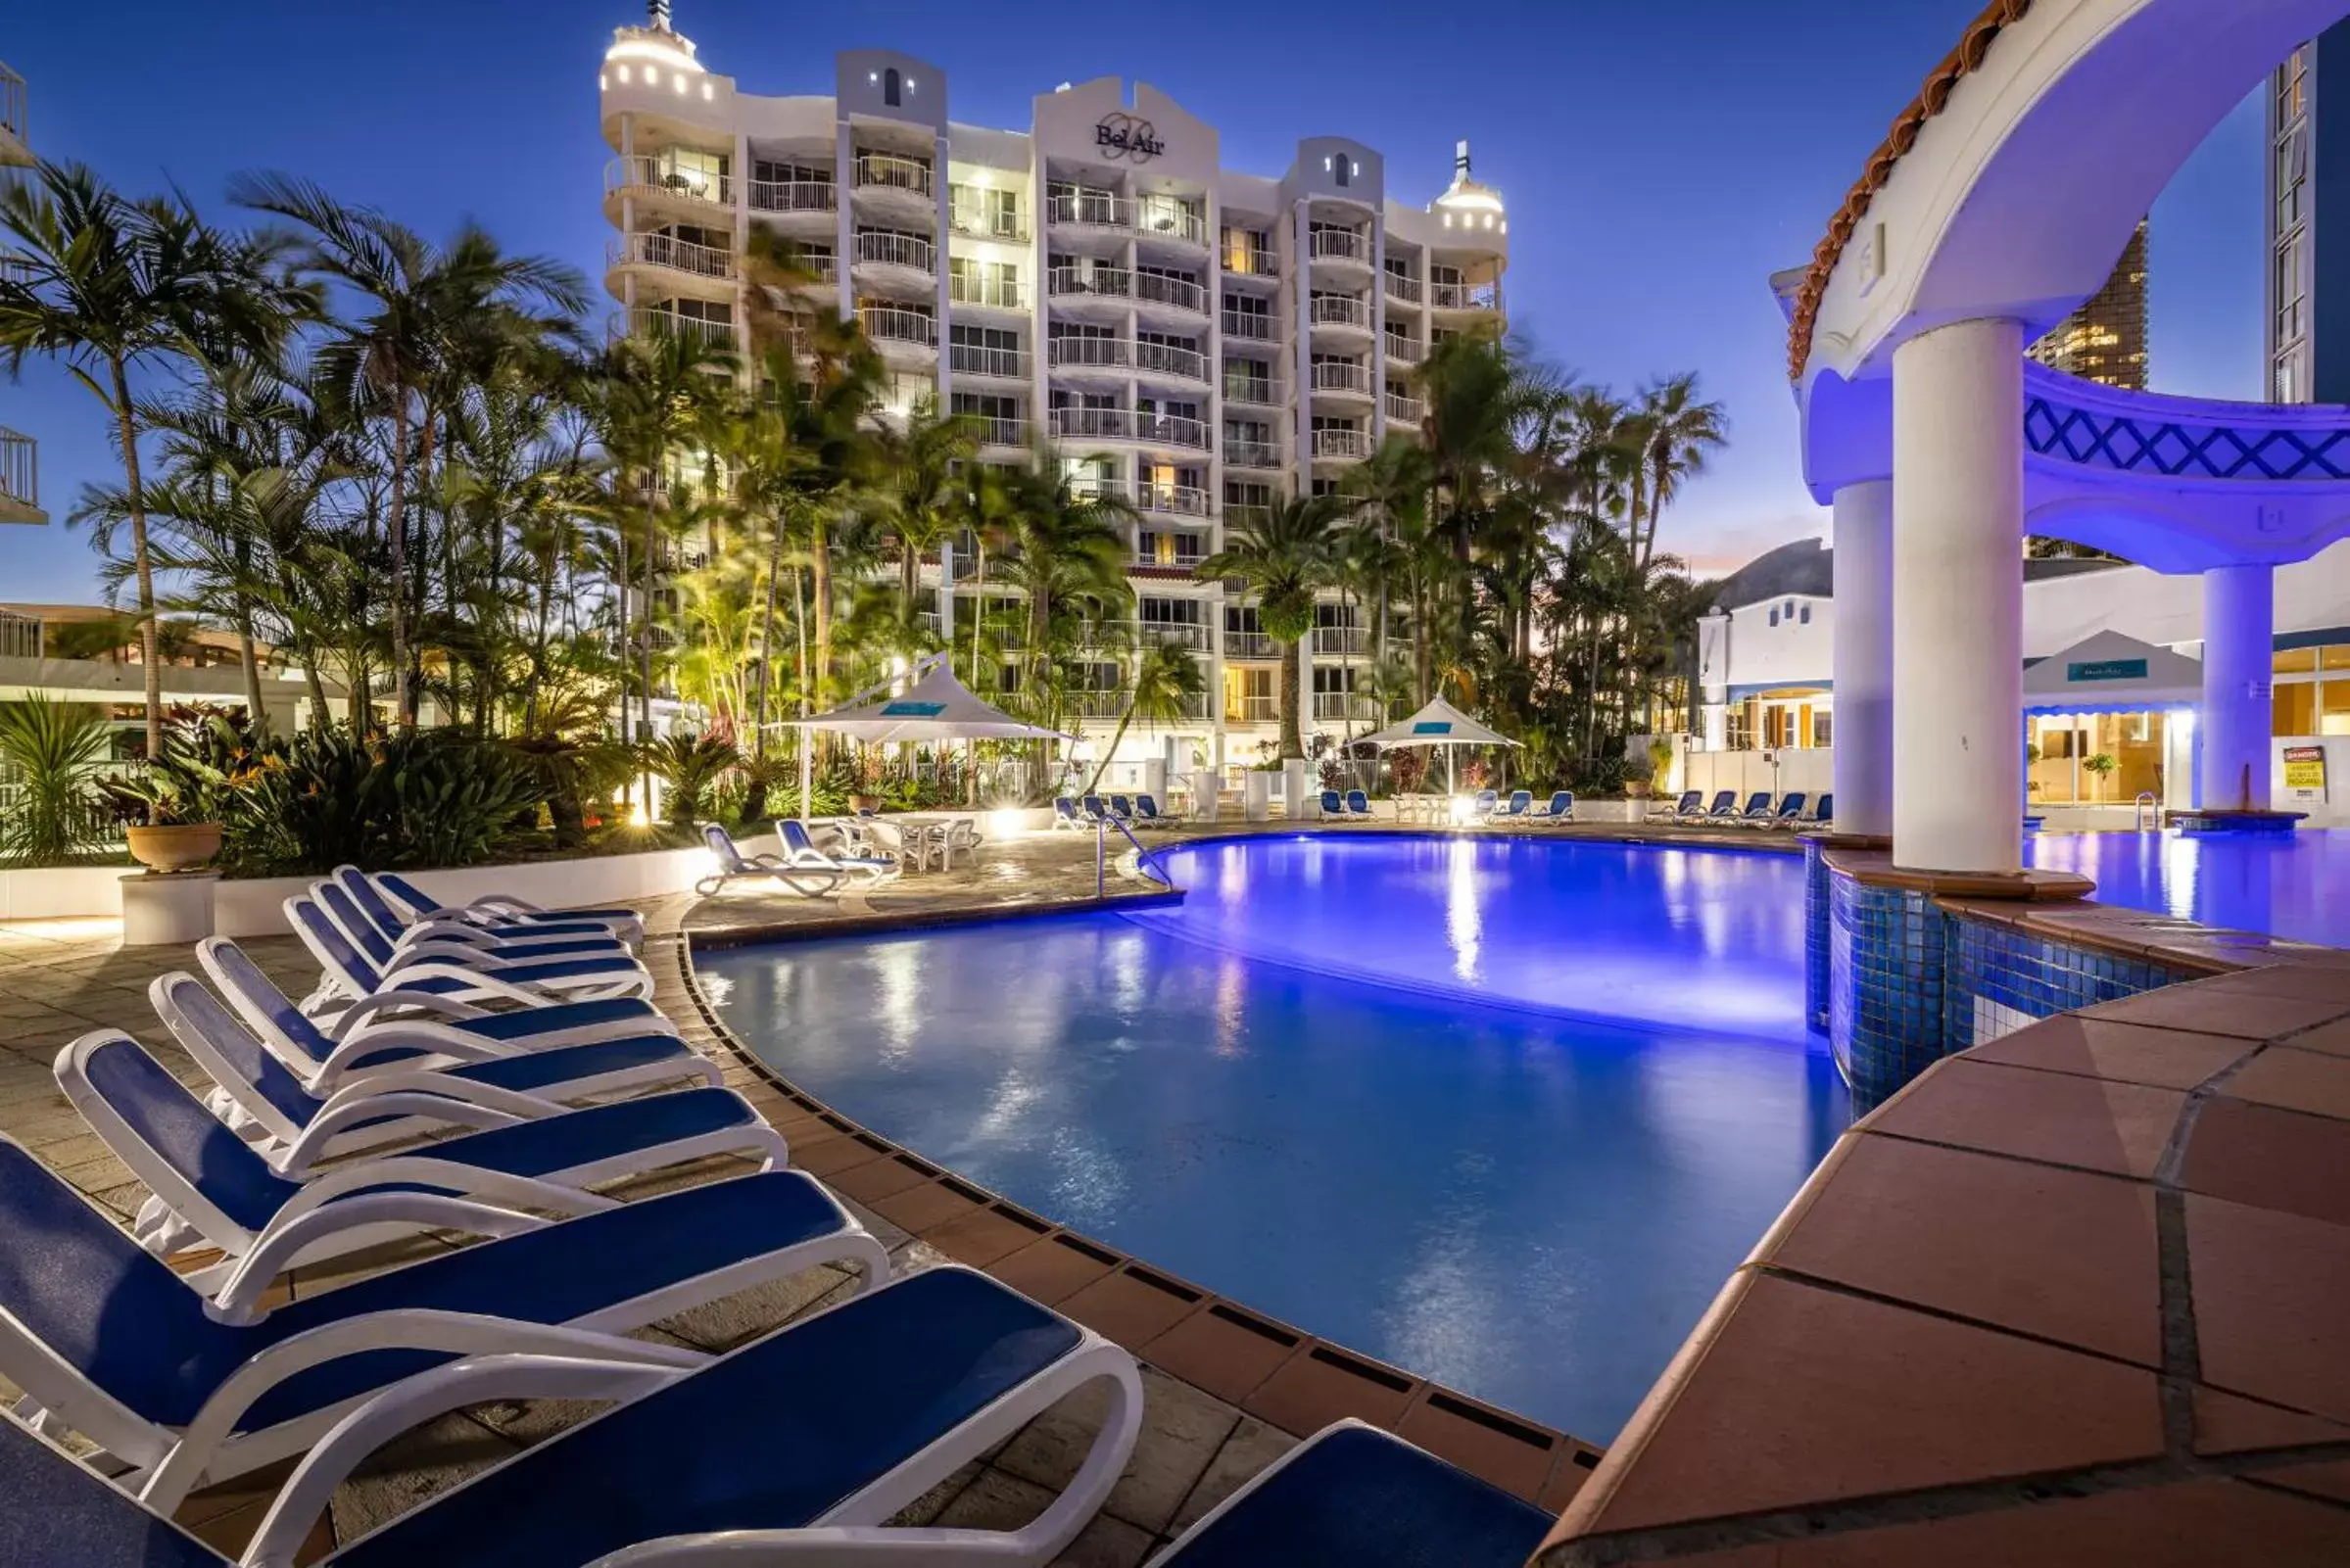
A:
[864,802]
[1638,788]
[185,846]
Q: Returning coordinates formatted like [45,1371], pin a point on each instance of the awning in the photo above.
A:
[935,707]
[2112,673]
[1439,723]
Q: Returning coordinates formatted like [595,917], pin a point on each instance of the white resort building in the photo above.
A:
[1197,340]
[20,472]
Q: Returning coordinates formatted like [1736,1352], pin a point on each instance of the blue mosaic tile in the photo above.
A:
[1816,923]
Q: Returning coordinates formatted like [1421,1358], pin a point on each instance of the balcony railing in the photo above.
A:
[12,104]
[1341,443]
[1252,454]
[1159,221]
[1092,424]
[1342,705]
[1097,705]
[1257,391]
[648,322]
[1403,410]
[1247,324]
[978,360]
[998,430]
[1339,376]
[898,250]
[889,323]
[1178,292]
[1184,500]
[793,196]
[1341,639]
[1089,354]
[1465,296]
[1252,261]
[1109,282]
[1337,245]
[1337,311]
[1172,430]
[1089,487]
[893,171]
[678,255]
[20,472]
[660,176]
[1172,634]
[1402,287]
[1251,645]
[1404,351]
[1252,709]
[977,288]
[1180,552]
[1088,210]
[1167,360]
[1245,514]
[987,223]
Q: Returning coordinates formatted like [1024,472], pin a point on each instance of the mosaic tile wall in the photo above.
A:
[1910,984]
[1816,923]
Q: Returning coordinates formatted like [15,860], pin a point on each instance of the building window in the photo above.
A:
[892,87]
[1803,617]
[1774,617]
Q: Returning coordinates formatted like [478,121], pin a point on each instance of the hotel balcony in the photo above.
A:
[1167,362]
[1338,312]
[892,327]
[1241,514]
[1248,326]
[1172,431]
[1097,705]
[1180,500]
[1345,705]
[647,321]
[1251,709]
[660,184]
[1172,634]
[995,430]
[979,224]
[1084,284]
[904,259]
[1404,352]
[1342,640]
[1170,553]
[993,364]
[1341,443]
[1340,381]
[1340,254]
[1253,645]
[988,293]
[1147,221]
[1091,353]
[1252,455]
[1404,289]
[1465,296]
[1403,410]
[675,260]
[19,479]
[16,148]
[1251,261]
[891,175]
[794,196]
[1162,221]
[1175,293]
[1251,392]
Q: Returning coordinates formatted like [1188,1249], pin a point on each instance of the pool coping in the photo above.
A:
[1283,1375]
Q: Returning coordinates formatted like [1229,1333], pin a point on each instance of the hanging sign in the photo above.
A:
[2106,670]
[2305,774]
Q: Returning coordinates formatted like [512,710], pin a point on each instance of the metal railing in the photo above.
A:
[1001,430]
[1251,645]
[1162,220]
[1333,375]
[893,172]
[1346,705]
[1089,487]
[1248,324]
[1097,705]
[1248,708]
[1252,455]
[2146,811]
[977,288]
[1184,501]
[1257,392]
[667,250]
[1465,296]
[1337,245]
[1145,860]
[794,196]
[1108,282]
[1172,634]
[981,223]
[1341,639]
[1337,311]
[1167,360]
[1341,443]
[1172,430]
[1092,424]
[889,323]
[1093,353]
[1090,209]
[20,468]
[977,359]
[645,321]
[1252,261]
[1402,287]
[12,102]
[1403,350]
[1246,514]
[1403,410]
[898,250]
[1185,551]
[656,175]
[1178,292]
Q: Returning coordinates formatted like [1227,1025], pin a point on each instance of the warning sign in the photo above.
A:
[2305,774]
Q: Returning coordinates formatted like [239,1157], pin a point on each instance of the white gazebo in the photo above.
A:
[932,707]
[1439,723]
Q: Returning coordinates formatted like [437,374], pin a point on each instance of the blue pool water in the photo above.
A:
[1501,1112]
[2297,886]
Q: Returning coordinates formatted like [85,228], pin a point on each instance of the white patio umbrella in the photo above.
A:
[932,706]
[1439,723]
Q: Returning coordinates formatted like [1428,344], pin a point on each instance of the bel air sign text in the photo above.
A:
[1128,137]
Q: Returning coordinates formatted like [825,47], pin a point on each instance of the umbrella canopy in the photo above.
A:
[935,707]
[1439,723]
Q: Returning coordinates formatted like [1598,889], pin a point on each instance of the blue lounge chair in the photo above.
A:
[402,1029]
[1091,808]
[379,908]
[1065,815]
[801,855]
[347,975]
[386,945]
[498,911]
[1147,813]
[1791,810]
[834,1423]
[1692,804]
[1352,1495]
[734,866]
[1724,807]
[1122,810]
[295,1122]
[1562,808]
[1825,812]
[1332,804]
[109,1343]
[1358,805]
[1485,805]
[1758,808]
[211,1188]
[1521,801]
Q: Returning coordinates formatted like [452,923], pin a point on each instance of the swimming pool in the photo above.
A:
[1504,1113]
[2297,886]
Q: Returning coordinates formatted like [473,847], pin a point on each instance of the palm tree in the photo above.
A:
[1283,556]
[1167,686]
[1389,496]
[421,300]
[926,485]
[1677,432]
[108,285]
[1066,544]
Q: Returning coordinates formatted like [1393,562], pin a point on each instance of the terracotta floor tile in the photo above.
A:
[2199,1008]
[1048,1271]
[876,1178]
[2269,1291]
[2332,1038]
[2271,1158]
[2307,981]
[1486,1443]
[2295,1080]
[1216,1350]
[829,1157]
[2059,1254]
[1320,1384]
[2119,1129]
[1807,1395]
[2227,1423]
[1130,1311]
[2128,1053]
[921,1208]
[980,1237]
[2330,1480]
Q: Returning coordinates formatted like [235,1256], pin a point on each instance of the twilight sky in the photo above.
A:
[1659,161]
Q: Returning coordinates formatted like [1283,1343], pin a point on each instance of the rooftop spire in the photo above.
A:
[656,12]
[1460,159]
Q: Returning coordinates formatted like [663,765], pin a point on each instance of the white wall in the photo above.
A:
[1811,769]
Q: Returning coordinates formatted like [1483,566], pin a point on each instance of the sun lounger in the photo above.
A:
[1562,808]
[501,909]
[1065,816]
[1520,802]
[1353,1496]
[1484,805]
[379,908]
[1331,805]
[1148,814]
[1692,804]
[801,854]
[212,1189]
[109,1343]
[734,866]
[1791,810]
[1358,805]
[347,973]
[386,947]
[1724,807]
[1758,809]
[1092,810]
[1824,814]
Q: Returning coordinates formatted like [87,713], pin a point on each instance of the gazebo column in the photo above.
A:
[2238,628]
[1957,600]
[1863,658]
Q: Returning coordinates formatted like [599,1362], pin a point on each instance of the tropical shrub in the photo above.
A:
[690,766]
[432,797]
[52,747]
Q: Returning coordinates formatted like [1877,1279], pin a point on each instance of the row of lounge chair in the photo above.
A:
[1075,815]
[1795,809]
[479,1072]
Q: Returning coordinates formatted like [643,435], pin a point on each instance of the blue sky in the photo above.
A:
[1659,161]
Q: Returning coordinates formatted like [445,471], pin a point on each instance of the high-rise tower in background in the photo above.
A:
[2105,340]
[2309,348]
[20,472]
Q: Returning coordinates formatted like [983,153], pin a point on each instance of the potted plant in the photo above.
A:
[1638,777]
[2101,765]
[1660,761]
[182,795]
